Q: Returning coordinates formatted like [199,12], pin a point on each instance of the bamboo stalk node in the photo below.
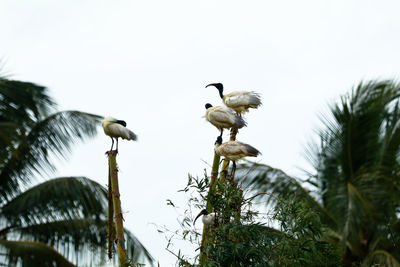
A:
[118,240]
[116,194]
[119,216]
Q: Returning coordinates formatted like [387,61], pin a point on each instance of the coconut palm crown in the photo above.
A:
[355,182]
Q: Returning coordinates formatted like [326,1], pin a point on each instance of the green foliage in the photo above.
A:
[250,241]
[302,243]
[226,200]
[298,243]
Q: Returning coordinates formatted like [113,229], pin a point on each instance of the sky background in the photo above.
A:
[147,62]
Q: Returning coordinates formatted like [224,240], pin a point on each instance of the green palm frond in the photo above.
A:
[65,233]
[136,250]
[381,258]
[264,178]
[358,120]
[9,135]
[53,135]
[358,148]
[60,198]
[82,239]
[85,238]
[8,130]
[356,216]
[30,254]
[67,213]
[23,102]
[356,177]
[391,139]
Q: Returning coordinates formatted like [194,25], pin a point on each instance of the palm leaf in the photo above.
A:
[136,250]
[53,135]
[60,198]
[264,178]
[381,258]
[9,135]
[67,213]
[81,238]
[23,102]
[30,254]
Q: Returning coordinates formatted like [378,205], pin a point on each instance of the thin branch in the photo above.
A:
[262,193]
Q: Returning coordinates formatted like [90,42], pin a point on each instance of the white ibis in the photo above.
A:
[239,101]
[234,151]
[117,128]
[223,117]
[208,218]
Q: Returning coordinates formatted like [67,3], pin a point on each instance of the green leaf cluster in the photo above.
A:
[251,241]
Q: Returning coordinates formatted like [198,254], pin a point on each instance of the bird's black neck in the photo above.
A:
[221,92]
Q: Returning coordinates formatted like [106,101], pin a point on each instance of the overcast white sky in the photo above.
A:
[147,62]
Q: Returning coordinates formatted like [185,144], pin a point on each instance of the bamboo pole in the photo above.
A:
[214,176]
[236,215]
[119,228]
[111,226]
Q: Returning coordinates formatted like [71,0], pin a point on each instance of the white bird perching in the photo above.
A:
[239,101]
[234,151]
[208,218]
[223,117]
[117,128]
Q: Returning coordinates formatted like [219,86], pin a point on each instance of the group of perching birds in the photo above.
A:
[228,117]
[222,117]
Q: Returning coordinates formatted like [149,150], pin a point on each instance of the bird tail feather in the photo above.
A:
[132,136]
[254,100]
[252,152]
[240,122]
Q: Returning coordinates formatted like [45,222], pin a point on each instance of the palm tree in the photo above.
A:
[355,184]
[63,218]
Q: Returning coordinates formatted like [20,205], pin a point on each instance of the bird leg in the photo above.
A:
[233,169]
[233,134]
[222,130]
[112,143]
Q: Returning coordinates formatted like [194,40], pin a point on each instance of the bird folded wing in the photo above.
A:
[221,117]
[232,148]
[243,98]
[120,131]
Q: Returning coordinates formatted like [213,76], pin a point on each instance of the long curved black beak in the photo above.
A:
[211,84]
[218,85]
[203,212]
[220,88]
